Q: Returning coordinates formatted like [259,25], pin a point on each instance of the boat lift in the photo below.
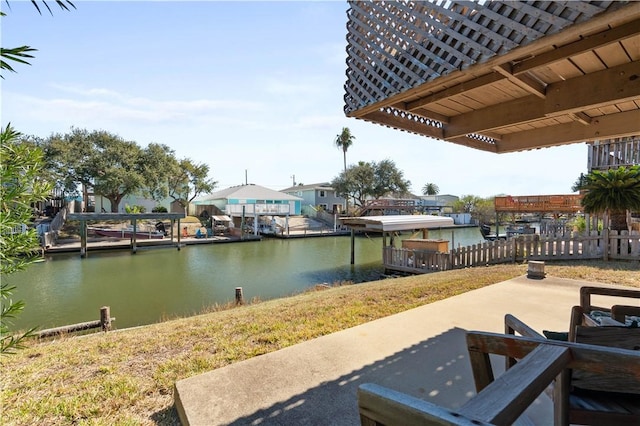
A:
[133,217]
[393,223]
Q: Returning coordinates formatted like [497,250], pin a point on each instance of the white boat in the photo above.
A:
[127,233]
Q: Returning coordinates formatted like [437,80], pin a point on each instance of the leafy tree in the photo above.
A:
[579,183]
[22,54]
[430,189]
[157,163]
[481,209]
[114,167]
[356,182]
[466,204]
[22,186]
[98,159]
[344,140]
[187,181]
[370,180]
[388,179]
[613,191]
[485,211]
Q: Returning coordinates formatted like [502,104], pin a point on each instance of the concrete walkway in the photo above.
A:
[421,352]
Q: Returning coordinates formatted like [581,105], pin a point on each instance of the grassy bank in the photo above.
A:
[127,377]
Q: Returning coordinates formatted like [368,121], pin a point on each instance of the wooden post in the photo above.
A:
[353,246]
[239,296]
[134,237]
[179,233]
[105,318]
[83,238]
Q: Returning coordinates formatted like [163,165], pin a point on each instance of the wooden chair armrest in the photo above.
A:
[383,406]
[587,291]
[500,401]
[619,312]
[513,325]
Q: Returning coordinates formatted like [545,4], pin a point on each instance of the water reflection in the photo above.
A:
[157,284]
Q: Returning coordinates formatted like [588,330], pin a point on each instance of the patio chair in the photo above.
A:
[502,400]
[590,397]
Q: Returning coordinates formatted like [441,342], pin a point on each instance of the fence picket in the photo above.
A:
[624,245]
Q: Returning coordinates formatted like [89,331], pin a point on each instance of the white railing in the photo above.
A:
[261,208]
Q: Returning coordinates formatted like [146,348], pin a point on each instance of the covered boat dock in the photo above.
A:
[388,225]
[83,218]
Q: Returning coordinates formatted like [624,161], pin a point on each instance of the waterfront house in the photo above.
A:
[249,205]
[317,196]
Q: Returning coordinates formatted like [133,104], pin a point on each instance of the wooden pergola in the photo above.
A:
[497,76]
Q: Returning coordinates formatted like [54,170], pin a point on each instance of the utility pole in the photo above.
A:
[294,179]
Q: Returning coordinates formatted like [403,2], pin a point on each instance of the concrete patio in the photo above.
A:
[421,352]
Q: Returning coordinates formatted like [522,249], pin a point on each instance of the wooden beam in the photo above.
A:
[405,123]
[605,87]
[427,113]
[523,81]
[614,85]
[474,143]
[581,117]
[424,129]
[521,110]
[606,127]
[466,86]
[588,43]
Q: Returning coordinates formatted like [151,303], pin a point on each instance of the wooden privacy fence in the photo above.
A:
[605,245]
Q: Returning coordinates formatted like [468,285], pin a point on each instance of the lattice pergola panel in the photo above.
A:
[438,68]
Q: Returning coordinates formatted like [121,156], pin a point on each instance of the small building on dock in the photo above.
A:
[391,226]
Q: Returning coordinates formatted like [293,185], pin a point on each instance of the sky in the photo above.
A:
[253,89]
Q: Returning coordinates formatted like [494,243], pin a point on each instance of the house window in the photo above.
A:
[323,207]
[322,194]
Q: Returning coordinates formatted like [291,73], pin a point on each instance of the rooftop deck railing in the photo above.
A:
[539,204]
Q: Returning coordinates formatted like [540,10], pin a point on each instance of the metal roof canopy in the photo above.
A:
[394,223]
[496,76]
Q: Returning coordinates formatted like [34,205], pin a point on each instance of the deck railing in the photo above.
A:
[604,245]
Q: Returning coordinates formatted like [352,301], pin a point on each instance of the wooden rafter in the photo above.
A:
[497,76]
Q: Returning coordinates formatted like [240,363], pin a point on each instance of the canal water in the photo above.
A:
[158,284]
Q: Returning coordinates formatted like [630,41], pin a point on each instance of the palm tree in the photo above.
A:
[343,141]
[613,191]
[430,189]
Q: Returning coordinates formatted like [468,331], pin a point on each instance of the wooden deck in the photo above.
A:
[570,203]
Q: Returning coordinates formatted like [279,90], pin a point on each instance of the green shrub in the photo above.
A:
[135,209]
[159,209]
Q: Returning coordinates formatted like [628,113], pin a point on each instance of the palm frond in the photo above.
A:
[15,54]
[64,4]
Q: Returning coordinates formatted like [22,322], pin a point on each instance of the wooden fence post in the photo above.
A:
[105,318]
[239,296]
